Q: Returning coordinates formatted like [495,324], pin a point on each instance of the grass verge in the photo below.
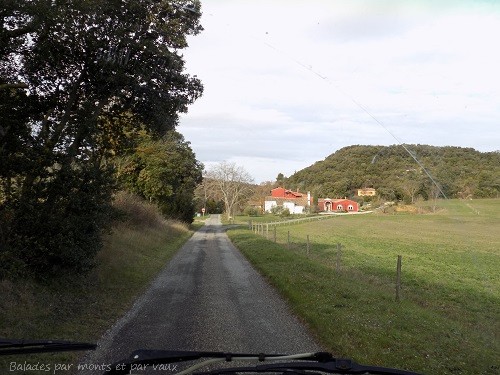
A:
[82,308]
[448,321]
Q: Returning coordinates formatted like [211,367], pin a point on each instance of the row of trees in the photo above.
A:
[90,93]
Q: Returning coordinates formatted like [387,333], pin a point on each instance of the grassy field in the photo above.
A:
[82,308]
[448,319]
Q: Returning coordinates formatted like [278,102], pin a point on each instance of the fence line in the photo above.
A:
[292,221]
[261,228]
[306,245]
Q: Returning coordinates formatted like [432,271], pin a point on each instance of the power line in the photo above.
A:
[360,106]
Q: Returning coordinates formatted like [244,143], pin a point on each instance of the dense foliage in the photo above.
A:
[396,174]
[164,172]
[77,78]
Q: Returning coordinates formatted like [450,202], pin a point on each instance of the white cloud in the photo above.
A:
[287,82]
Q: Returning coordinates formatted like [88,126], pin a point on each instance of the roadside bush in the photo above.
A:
[134,211]
[179,206]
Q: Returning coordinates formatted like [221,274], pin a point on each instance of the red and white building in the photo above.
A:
[297,202]
[337,205]
[294,201]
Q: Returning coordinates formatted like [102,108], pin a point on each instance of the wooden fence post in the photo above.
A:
[398,279]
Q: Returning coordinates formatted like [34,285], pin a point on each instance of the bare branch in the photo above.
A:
[232,182]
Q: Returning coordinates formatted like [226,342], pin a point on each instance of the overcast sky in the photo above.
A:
[288,83]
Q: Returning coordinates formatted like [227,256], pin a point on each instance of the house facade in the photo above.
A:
[336,205]
[295,202]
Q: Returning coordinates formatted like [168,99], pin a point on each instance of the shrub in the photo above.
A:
[280,211]
[252,211]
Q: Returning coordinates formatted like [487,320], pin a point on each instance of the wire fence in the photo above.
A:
[265,227]
[305,245]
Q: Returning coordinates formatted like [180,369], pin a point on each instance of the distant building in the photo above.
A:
[294,201]
[337,205]
[367,192]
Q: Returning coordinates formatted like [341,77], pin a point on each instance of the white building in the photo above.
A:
[295,202]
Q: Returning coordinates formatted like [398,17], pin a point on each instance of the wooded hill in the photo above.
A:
[396,174]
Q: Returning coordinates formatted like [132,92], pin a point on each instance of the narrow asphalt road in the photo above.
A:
[208,297]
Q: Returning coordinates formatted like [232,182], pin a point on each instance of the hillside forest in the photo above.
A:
[403,173]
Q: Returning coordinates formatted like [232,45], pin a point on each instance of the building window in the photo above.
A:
[340,208]
[350,207]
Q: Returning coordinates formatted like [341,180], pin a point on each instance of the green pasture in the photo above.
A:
[448,319]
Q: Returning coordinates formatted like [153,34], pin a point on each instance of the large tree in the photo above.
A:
[230,182]
[163,171]
[75,76]
[82,61]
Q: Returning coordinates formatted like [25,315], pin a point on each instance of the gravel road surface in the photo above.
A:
[208,297]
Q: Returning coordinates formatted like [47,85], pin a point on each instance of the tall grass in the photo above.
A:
[82,307]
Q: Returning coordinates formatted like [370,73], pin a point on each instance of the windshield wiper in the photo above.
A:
[156,357]
[10,347]
[334,366]
[307,363]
